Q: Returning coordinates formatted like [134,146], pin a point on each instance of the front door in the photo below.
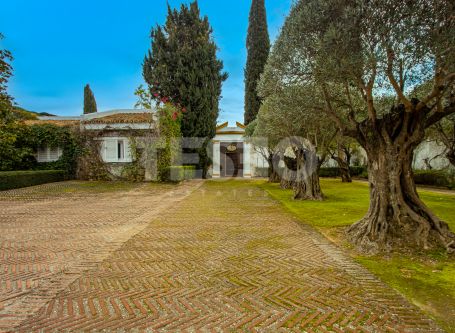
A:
[231,159]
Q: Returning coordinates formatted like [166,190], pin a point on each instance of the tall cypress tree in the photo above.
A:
[182,67]
[89,101]
[6,71]
[258,47]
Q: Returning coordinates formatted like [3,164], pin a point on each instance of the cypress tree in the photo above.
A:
[6,71]
[258,47]
[89,101]
[182,67]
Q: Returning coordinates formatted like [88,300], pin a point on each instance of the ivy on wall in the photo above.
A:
[81,156]
[89,163]
[19,144]
[135,171]
[48,135]
[170,132]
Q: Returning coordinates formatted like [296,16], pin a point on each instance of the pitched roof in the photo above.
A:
[121,118]
[60,123]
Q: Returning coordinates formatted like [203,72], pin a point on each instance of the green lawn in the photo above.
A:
[427,279]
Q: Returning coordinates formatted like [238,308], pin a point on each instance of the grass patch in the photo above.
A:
[427,279]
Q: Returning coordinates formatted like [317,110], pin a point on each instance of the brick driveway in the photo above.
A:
[226,258]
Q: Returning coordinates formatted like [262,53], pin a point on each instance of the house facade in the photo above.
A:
[232,154]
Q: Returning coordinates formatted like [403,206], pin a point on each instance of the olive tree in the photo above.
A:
[265,148]
[341,152]
[289,126]
[365,58]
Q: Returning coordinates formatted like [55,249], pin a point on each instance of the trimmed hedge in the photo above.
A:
[17,179]
[356,171]
[434,178]
[261,172]
[181,173]
[438,178]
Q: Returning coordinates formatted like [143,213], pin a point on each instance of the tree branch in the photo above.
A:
[393,81]
[440,85]
[437,116]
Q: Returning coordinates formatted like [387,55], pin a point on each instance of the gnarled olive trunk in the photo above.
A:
[273,160]
[307,186]
[397,217]
[451,156]
[345,173]
[344,160]
[288,177]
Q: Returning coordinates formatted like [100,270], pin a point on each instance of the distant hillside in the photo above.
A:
[22,114]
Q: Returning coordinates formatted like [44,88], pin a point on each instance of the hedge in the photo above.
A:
[180,173]
[438,178]
[356,171]
[17,179]
[434,178]
[261,172]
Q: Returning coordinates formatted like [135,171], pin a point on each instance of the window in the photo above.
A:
[48,154]
[120,150]
[116,150]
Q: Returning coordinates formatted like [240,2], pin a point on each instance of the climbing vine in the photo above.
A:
[135,171]
[170,132]
[48,135]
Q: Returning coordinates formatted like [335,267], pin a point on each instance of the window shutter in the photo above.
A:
[110,150]
[53,154]
[42,155]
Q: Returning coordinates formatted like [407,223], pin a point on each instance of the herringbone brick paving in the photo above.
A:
[51,233]
[225,259]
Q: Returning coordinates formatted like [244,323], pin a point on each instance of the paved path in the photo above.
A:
[51,234]
[225,259]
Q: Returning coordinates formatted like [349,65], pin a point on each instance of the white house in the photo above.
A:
[114,128]
[233,155]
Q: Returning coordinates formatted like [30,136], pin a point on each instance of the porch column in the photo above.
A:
[216,159]
[246,160]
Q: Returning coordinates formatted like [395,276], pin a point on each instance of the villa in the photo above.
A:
[232,156]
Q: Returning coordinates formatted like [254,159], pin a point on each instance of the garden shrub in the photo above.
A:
[356,171]
[261,172]
[359,171]
[15,150]
[438,178]
[329,172]
[18,179]
[180,173]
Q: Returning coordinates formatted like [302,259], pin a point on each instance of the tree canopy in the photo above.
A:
[362,61]
[182,68]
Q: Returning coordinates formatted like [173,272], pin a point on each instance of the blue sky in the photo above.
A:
[59,46]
